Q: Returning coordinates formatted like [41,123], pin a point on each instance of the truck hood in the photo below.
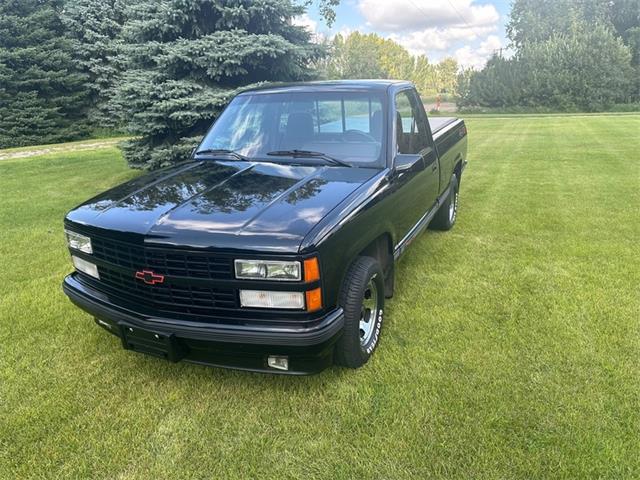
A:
[224,204]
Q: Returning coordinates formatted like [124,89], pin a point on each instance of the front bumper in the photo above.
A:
[309,350]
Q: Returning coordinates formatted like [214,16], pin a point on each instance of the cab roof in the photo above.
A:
[328,86]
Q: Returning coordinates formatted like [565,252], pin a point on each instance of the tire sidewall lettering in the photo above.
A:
[376,335]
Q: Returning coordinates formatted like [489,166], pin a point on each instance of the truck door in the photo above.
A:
[416,162]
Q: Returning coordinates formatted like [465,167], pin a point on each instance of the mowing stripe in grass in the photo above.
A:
[510,348]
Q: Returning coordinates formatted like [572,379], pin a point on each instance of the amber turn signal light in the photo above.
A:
[314,299]
[311,270]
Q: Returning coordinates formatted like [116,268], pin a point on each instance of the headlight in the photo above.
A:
[267,270]
[78,242]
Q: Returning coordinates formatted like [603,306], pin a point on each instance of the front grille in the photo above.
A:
[161,260]
[179,298]
[168,298]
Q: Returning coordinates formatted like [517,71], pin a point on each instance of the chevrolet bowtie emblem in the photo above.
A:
[149,277]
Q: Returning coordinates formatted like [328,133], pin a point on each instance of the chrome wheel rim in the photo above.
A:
[369,313]
[453,207]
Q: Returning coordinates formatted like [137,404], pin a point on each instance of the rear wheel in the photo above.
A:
[362,299]
[446,216]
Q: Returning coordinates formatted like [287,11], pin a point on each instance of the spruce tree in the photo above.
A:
[187,58]
[94,27]
[42,93]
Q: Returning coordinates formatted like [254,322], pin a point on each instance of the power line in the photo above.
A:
[455,10]
[461,17]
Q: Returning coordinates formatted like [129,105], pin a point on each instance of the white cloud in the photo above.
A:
[412,15]
[311,25]
[432,27]
[306,21]
[468,56]
[432,39]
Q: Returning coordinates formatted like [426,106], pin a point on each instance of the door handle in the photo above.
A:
[435,166]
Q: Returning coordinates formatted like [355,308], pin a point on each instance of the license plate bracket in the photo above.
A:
[158,344]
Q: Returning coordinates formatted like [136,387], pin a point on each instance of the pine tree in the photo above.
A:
[42,94]
[186,58]
[94,27]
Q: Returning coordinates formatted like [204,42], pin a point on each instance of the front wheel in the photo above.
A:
[362,299]
[446,216]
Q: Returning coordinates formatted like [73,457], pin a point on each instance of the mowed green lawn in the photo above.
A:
[510,350]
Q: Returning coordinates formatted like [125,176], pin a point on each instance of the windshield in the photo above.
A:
[344,125]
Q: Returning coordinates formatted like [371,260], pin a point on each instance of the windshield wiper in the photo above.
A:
[308,154]
[222,151]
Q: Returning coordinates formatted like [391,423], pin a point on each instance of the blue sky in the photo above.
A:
[468,30]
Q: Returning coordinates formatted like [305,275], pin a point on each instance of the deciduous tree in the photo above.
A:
[361,55]
[569,55]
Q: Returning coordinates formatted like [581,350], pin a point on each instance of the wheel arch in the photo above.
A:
[457,169]
[381,248]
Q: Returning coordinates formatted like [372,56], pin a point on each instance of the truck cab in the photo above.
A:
[272,248]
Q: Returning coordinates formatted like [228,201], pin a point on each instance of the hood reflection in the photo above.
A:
[271,203]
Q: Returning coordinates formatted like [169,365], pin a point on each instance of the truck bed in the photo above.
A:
[450,138]
[439,123]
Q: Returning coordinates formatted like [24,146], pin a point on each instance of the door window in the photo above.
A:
[411,129]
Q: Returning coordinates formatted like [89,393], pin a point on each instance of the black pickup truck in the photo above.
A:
[272,248]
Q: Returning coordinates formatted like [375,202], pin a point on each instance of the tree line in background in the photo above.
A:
[359,55]
[164,69]
[570,55]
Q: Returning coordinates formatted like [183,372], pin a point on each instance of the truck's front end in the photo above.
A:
[203,261]
[210,306]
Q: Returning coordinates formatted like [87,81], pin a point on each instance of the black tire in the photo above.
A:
[447,214]
[355,346]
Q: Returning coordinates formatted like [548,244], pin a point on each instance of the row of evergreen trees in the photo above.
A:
[163,68]
[576,55]
[43,97]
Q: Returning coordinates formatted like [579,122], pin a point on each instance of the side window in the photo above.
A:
[411,130]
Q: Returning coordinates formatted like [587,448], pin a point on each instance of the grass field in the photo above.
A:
[511,349]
